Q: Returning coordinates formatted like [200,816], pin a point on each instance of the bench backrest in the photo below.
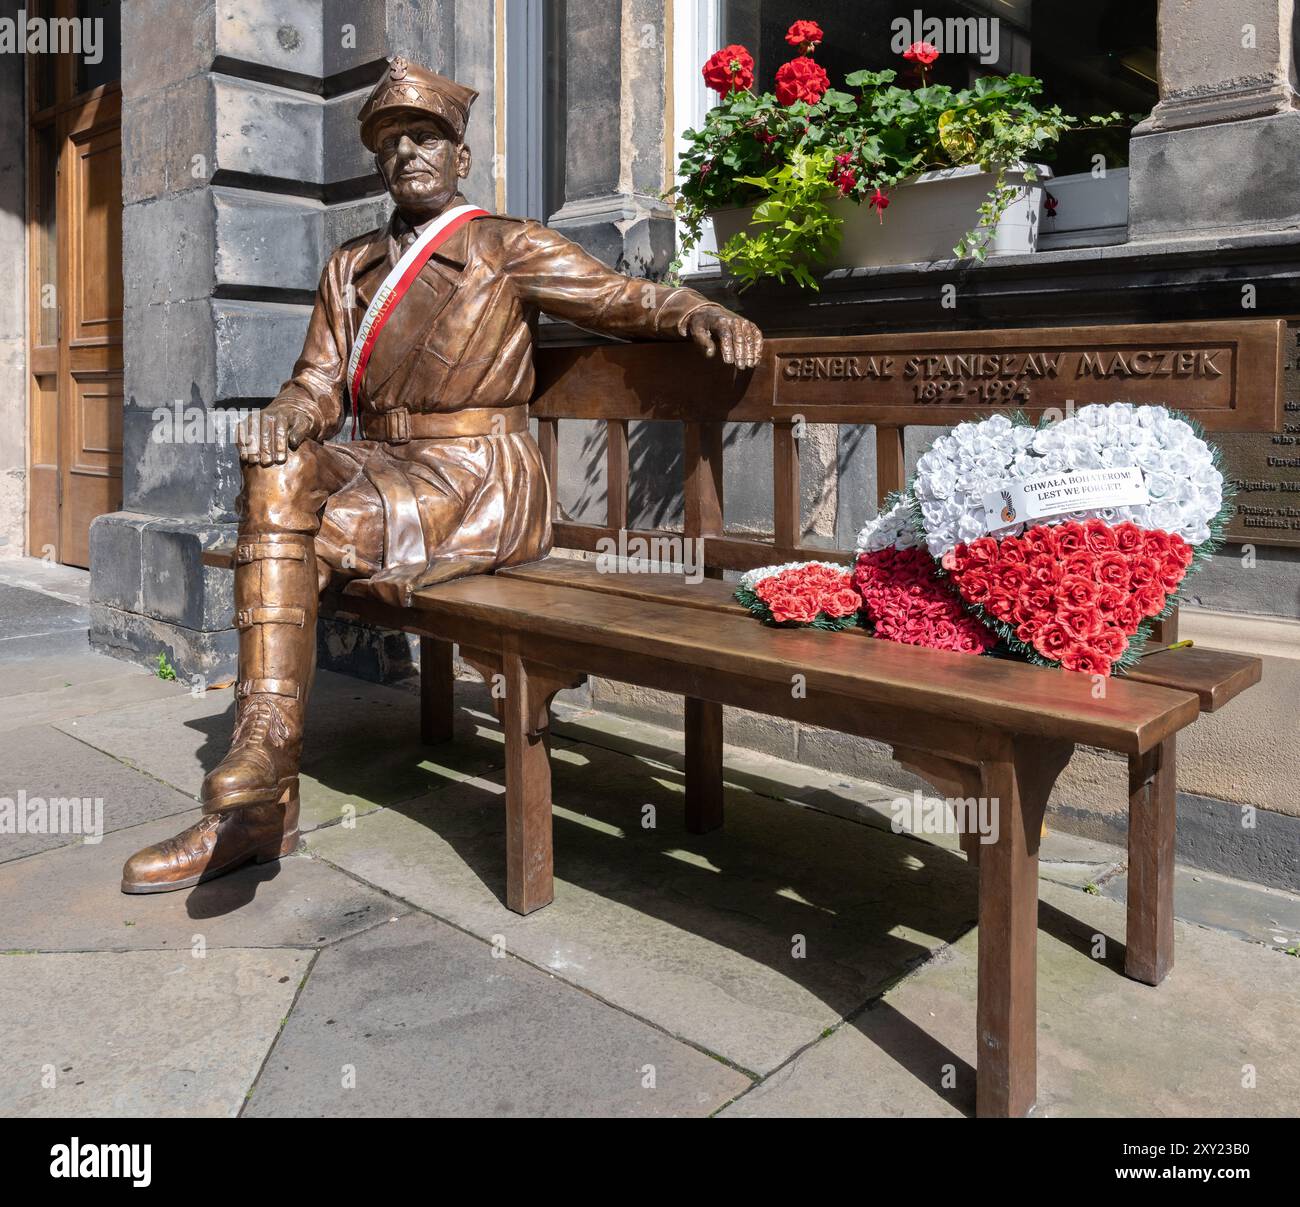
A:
[1227,375]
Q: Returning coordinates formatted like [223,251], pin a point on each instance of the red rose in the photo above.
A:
[801,80]
[1045,572]
[1156,541]
[1070,538]
[1013,551]
[1112,570]
[1127,616]
[921,52]
[1128,537]
[1013,576]
[1110,599]
[843,602]
[1082,622]
[1149,599]
[1079,565]
[1099,536]
[1080,657]
[1171,571]
[999,602]
[983,551]
[1028,630]
[1143,570]
[804,33]
[1053,639]
[975,585]
[1041,540]
[730,70]
[943,635]
[1041,599]
[796,608]
[1109,643]
[1077,591]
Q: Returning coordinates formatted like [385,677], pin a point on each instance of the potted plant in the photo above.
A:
[791,178]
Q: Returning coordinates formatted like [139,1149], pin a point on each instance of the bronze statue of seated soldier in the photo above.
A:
[423,332]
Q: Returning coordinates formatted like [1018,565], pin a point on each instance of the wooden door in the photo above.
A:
[75,347]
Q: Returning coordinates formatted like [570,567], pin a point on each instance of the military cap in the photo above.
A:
[411,88]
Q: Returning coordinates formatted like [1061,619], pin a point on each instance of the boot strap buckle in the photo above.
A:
[247,552]
[245,618]
[267,687]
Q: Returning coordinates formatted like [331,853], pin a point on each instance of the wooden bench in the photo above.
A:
[972,727]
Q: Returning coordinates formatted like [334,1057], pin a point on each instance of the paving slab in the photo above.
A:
[143,1033]
[40,764]
[68,583]
[748,942]
[1107,1046]
[56,671]
[362,748]
[1253,912]
[28,613]
[419,1019]
[69,900]
[64,705]
[62,643]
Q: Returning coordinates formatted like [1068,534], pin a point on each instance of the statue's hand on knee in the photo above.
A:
[268,437]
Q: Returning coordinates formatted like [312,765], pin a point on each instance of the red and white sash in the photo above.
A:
[394,288]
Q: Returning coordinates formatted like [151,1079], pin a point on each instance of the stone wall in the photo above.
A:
[242,169]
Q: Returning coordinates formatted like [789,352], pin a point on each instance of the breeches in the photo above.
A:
[415,513]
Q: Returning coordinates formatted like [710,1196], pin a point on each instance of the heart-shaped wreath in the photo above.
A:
[1072,588]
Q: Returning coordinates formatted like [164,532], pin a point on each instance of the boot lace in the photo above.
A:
[260,723]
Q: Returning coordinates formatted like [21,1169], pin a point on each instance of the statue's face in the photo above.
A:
[421,164]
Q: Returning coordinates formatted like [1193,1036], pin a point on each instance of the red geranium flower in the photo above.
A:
[805,34]
[730,70]
[801,80]
[921,52]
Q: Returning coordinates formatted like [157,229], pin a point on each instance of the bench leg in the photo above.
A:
[703,765]
[1152,813]
[529,882]
[1017,785]
[437,687]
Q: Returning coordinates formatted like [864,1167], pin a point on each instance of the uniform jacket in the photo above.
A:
[463,335]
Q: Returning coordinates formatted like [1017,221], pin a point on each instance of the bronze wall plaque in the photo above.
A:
[1266,471]
[1225,374]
